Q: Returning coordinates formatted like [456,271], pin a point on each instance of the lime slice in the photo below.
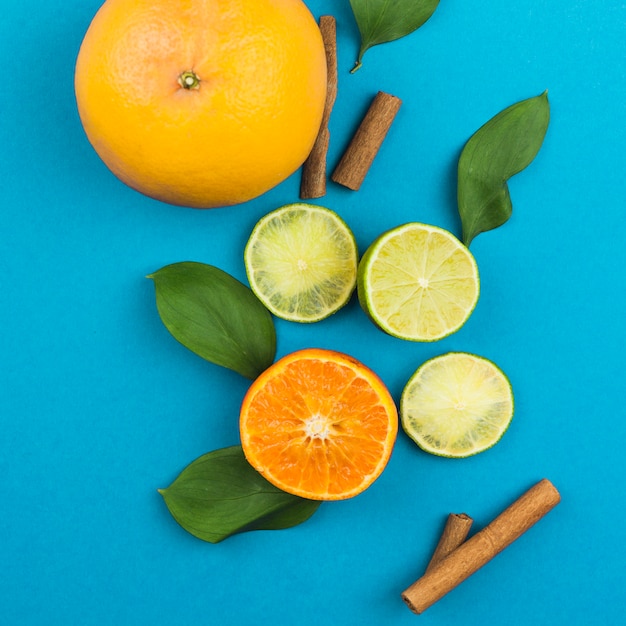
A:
[418,282]
[301,261]
[457,405]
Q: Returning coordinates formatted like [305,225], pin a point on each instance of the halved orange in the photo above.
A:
[319,424]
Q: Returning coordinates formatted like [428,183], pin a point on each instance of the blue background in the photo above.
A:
[100,406]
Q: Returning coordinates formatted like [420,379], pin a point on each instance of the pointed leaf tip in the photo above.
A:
[501,148]
[216,317]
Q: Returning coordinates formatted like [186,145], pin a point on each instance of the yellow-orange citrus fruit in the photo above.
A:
[318,424]
[202,103]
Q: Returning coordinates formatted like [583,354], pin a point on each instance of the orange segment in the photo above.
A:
[319,424]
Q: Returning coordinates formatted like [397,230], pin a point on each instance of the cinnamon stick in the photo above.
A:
[482,547]
[313,182]
[366,142]
[454,533]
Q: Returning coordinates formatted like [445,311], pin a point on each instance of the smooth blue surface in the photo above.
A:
[99,406]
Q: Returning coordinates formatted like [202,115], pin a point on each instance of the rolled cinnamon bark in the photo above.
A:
[482,547]
[454,533]
[359,156]
[313,181]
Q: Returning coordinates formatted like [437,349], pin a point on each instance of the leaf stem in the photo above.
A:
[356,67]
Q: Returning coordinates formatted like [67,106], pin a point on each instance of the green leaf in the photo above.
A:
[501,148]
[215,316]
[220,494]
[381,21]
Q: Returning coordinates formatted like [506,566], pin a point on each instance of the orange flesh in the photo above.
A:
[319,424]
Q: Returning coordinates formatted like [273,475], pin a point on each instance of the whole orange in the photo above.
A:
[202,103]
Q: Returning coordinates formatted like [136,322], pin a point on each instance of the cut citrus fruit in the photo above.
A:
[301,261]
[319,424]
[457,405]
[418,282]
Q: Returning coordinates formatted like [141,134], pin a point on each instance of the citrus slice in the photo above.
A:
[301,261]
[457,405]
[418,282]
[319,424]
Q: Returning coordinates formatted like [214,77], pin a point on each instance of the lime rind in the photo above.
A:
[418,282]
[301,262]
[457,405]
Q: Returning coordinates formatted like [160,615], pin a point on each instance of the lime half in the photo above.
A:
[457,405]
[301,261]
[418,282]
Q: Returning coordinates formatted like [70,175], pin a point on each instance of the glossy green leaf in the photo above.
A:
[220,494]
[381,21]
[501,148]
[215,316]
